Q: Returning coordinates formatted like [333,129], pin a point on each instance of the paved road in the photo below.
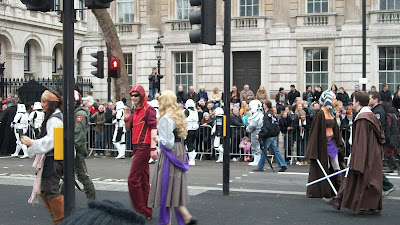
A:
[255,198]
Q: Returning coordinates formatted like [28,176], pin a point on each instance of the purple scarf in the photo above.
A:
[164,212]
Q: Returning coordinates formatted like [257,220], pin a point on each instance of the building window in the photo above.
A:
[54,61]
[389,4]
[129,67]
[182,9]
[26,57]
[80,10]
[317,67]
[126,11]
[249,7]
[389,67]
[78,62]
[183,70]
[317,6]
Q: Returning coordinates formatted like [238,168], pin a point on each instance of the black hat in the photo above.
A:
[105,212]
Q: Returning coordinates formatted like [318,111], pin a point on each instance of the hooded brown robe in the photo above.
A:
[317,149]
[363,187]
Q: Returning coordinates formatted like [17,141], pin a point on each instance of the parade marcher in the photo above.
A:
[192,120]
[255,124]
[324,144]
[377,109]
[391,136]
[269,134]
[49,171]
[20,125]
[362,190]
[80,140]
[7,137]
[36,118]
[169,185]
[119,136]
[143,123]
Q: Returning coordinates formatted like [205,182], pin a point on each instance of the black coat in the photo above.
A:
[237,122]
[396,103]
[386,96]
[181,97]
[7,137]
[154,81]
[317,95]
[284,123]
[292,96]
[344,98]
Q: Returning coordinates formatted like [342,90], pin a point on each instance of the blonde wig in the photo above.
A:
[169,105]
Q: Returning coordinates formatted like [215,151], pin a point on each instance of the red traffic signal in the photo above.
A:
[114,64]
[113,69]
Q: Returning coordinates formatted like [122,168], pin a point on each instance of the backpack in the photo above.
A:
[269,128]
[392,132]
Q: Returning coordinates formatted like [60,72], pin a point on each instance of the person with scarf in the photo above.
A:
[143,123]
[169,186]
[324,144]
[49,171]
[202,94]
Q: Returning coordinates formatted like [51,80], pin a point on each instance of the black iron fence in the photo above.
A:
[29,90]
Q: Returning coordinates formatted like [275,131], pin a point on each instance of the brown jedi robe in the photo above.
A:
[364,182]
[317,149]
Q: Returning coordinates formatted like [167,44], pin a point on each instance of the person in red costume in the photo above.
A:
[143,123]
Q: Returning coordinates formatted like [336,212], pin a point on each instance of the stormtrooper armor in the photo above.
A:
[20,125]
[192,119]
[254,127]
[155,105]
[36,118]
[218,145]
[120,131]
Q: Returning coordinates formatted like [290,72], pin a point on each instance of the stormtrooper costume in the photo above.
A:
[20,125]
[218,145]
[192,120]
[254,127]
[120,131]
[155,105]
[36,118]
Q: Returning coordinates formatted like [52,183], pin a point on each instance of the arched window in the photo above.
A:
[54,61]
[26,57]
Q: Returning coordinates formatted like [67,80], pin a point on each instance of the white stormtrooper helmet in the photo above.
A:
[190,103]
[219,111]
[37,106]
[255,106]
[21,108]
[119,105]
[154,103]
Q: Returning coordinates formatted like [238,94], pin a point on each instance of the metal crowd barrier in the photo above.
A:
[102,141]
[295,145]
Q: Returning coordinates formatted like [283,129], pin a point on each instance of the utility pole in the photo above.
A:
[69,108]
[364,43]
[227,84]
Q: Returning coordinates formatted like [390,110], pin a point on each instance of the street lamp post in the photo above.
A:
[158,50]
[60,70]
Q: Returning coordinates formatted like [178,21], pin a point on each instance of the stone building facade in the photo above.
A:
[274,43]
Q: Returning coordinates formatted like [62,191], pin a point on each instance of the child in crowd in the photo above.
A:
[246,117]
[245,145]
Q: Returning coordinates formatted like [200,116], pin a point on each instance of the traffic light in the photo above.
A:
[99,64]
[206,17]
[98,4]
[39,5]
[113,68]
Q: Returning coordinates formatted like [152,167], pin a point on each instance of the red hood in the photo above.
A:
[139,88]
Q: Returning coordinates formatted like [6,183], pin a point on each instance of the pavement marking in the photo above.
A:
[293,173]
[123,187]
[5,167]
[251,172]
[238,178]
[244,175]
